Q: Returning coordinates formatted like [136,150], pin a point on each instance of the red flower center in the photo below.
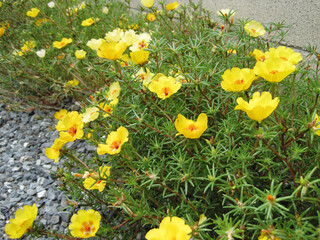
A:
[166,91]
[253,30]
[239,81]
[87,228]
[192,127]
[115,146]
[274,72]
[73,131]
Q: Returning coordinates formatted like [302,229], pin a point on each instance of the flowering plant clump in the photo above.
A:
[198,125]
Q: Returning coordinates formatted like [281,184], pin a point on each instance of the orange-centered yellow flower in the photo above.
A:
[274,69]
[151,17]
[111,50]
[190,128]
[62,43]
[60,114]
[85,224]
[22,222]
[172,6]
[70,127]
[107,108]
[33,12]
[254,29]
[259,55]
[164,87]
[87,22]
[114,91]
[284,53]
[114,142]
[139,57]
[170,228]
[54,151]
[259,107]
[236,79]
[91,183]
[90,114]
[80,54]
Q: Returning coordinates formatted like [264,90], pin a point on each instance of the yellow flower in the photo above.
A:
[172,6]
[22,222]
[140,42]
[90,114]
[125,60]
[266,235]
[111,50]
[40,21]
[94,44]
[151,17]
[27,46]
[87,22]
[164,87]
[139,57]
[91,183]
[60,114]
[144,77]
[129,37]
[170,228]
[259,107]
[72,83]
[147,3]
[54,151]
[114,91]
[80,54]
[274,69]
[317,124]
[62,43]
[108,108]
[254,29]
[114,142]
[115,35]
[259,55]
[286,54]
[190,128]
[2,30]
[33,12]
[236,79]
[85,224]
[73,125]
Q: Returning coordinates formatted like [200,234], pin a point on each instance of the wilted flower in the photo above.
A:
[33,12]
[139,57]
[254,29]
[22,222]
[114,142]
[259,107]
[274,69]
[62,43]
[189,128]
[172,6]
[90,114]
[111,50]
[170,228]
[80,54]
[147,3]
[51,4]
[41,53]
[164,87]
[85,224]
[236,79]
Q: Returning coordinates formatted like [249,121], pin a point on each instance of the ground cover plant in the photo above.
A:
[203,127]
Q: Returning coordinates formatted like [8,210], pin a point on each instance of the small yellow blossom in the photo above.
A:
[147,3]
[274,69]
[164,87]
[105,10]
[111,50]
[60,114]
[172,6]
[33,12]
[259,55]
[107,108]
[91,183]
[189,128]
[259,107]
[94,44]
[80,54]
[317,124]
[2,30]
[125,60]
[170,228]
[90,114]
[27,46]
[40,21]
[114,91]
[87,22]
[139,57]
[54,151]
[22,222]
[114,142]
[72,83]
[85,224]
[151,17]
[285,53]
[267,235]
[70,127]
[62,43]
[254,29]
[236,79]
